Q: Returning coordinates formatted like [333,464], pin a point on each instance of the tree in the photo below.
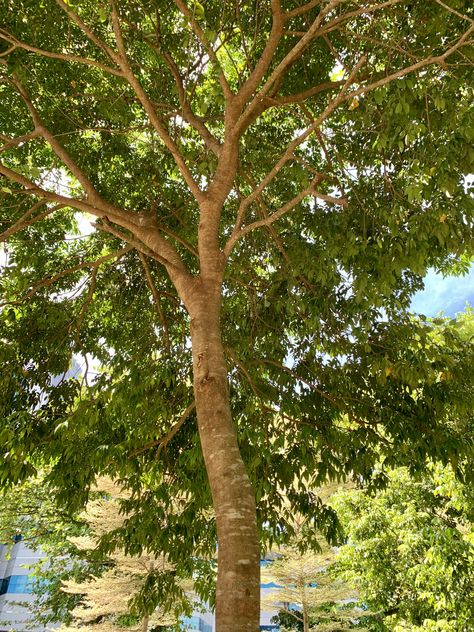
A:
[307,592]
[268,184]
[85,578]
[28,510]
[410,550]
[106,603]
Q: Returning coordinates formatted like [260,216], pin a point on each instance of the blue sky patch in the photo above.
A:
[449,295]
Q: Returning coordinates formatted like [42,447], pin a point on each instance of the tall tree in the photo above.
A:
[269,182]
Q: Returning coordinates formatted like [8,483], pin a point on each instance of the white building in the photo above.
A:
[15,587]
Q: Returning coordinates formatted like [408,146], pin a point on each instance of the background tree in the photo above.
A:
[107,599]
[269,183]
[410,550]
[308,595]
[28,509]
[85,579]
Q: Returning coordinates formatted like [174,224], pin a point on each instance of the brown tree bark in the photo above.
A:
[238,580]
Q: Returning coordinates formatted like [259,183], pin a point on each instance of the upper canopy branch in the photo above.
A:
[365,10]
[318,28]
[201,36]
[69,57]
[283,210]
[186,110]
[303,9]
[93,197]
[56,277]
[109,51]
[428,61]
[18,140]
[345,93]
[289,59]
[287,155]
[28,219]
[452,10]
[122,60]
[266,58]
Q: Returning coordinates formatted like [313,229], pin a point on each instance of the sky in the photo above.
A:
[449,295]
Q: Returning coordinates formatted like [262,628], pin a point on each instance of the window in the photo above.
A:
[4,586]
[271,585]
[19,584]
[196,623]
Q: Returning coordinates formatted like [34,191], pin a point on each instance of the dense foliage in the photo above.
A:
[410,550]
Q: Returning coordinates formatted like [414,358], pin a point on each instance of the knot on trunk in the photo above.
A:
[206,379]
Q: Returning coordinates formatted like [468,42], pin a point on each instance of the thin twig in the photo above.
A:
[156,300]
[80,266]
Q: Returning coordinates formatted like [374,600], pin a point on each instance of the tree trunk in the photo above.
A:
[238,575]
[305,619]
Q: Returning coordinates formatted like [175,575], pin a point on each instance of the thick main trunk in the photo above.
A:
[238,575]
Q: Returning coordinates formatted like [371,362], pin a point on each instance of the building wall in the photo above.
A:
[15,587]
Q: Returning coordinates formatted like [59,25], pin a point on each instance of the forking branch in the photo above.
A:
[201,36]
[345,94]
[238,231]
[69,57]
[29,218]
[93,203]
[149,108]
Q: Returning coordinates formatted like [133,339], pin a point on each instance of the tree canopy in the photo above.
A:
[410,550]
[269,183]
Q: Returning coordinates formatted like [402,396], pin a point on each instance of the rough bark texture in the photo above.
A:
[238,581]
